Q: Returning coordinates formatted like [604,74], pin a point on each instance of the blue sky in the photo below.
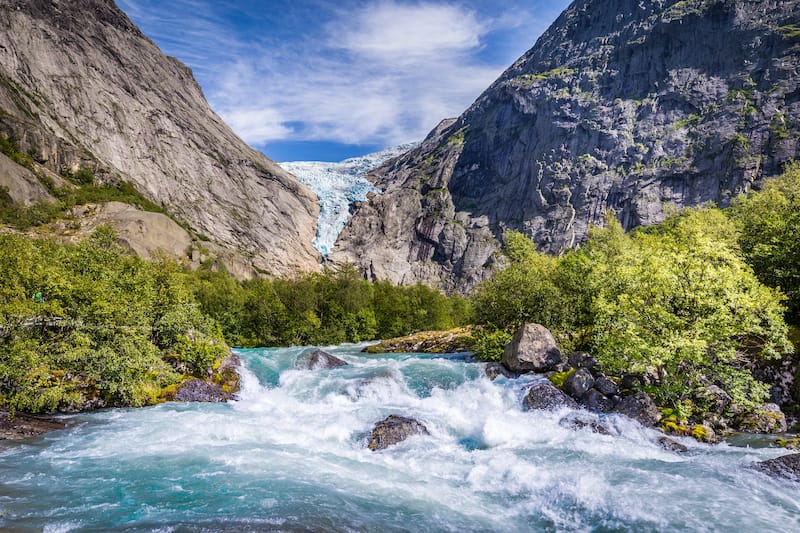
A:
[323,80]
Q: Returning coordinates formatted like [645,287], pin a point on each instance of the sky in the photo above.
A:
[327,80]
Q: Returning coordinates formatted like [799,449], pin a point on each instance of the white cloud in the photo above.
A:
[394,32]
[381,72]
[385,74]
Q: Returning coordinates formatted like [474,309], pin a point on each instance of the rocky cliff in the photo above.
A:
[642,108]
[82,87]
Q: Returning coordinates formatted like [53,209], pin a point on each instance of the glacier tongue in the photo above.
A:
[338,186]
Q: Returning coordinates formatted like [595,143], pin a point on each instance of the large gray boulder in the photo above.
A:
[787,466]
[533,349]
[545,395]
[394,429]
[319,359]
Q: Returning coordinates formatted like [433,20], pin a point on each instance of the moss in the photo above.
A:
[790,31]
[790,444]
[559,378]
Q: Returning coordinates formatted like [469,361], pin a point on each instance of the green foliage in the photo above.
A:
[789,31]
[488,343]
[109,327]
[769,221]
[10,149]
[324,308]
[84,176]
[676,301]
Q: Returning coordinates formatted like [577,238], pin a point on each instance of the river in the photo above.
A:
[290,455]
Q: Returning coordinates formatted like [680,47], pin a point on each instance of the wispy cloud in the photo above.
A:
[359,73]
[384,74]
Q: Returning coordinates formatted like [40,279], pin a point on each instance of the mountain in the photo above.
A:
[338,187]
[82,88]
[643,108]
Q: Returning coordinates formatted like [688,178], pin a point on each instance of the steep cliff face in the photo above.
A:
[644,108]
[80,86]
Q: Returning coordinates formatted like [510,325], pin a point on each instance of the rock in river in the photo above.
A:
[545,395]
[318,359]
[640,407]
[394,429]
[786,466]
[533,349]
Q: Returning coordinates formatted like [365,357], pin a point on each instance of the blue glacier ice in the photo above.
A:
[338,186]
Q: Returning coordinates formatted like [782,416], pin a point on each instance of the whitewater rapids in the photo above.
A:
[290,455]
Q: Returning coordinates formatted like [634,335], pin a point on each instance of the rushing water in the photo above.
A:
[291,455]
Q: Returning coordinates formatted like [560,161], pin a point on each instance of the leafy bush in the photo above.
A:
[109,327]
[769,221]
[675,301]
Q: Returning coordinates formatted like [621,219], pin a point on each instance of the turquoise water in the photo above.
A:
[290,455]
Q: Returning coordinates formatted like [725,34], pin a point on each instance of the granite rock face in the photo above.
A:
[81,86]
[641,109]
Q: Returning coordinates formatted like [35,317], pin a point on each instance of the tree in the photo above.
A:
[769,221]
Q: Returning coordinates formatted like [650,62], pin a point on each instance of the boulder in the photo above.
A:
[583,360]
[640,407]
[495,370]
[319,359]
[787,467]
[713,398]
[767,418]
[545,395]
[533,349]
[672,445]
[631,382]
[595,400]
[583,420]
[578,383]
[606,386]
[197,390]
[394,429]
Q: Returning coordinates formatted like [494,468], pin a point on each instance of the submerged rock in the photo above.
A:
[640,407]
[584,420]
[672,445]
[319,359]
[495,370]
[533,349]
[394,429]
[24,426]
[545,395]
[787,467]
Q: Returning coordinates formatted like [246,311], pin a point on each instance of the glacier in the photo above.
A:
[338,186]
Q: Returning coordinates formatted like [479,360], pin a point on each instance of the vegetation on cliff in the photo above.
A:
[90,325]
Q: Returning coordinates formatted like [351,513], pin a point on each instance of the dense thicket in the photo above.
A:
[677,301]
[88,325]
[769,221]
[322,308]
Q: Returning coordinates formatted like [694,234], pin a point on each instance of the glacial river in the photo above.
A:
[290,455]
